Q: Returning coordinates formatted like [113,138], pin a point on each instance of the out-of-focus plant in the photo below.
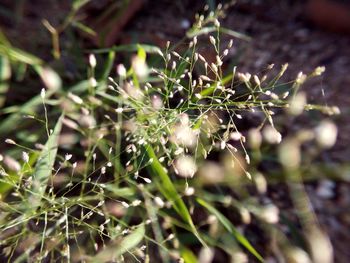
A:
[152,162]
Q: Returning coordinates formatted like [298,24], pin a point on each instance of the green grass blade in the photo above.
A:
[167,188]
[18,55]
[44,166]
[206,30]
[188,256]
[117,249]
[229,227]
[108,65]
[129,48]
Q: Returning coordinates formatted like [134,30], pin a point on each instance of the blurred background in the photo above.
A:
[305,34]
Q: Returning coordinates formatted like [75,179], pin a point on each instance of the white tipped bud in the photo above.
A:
[212,40]
[159,202]
[326,134]
[93,82]
[185,166]
[319,71]
[92,60]
[230,43]
[245,77]
[216,23]
[236,136]
[11,164]
[67,157]
[271,135]
[160,53]
[257,80]
[218,61]
[25,157]
[147,180]
[189,191]
[121,70]
[75,98]
[195,40]
[247,158]
[125,204]
[214,68]
[43,93]
[10,141]
[289,154]
[245,215]
[297,104]
[119,110]
[136,202]
[300,78]
[270,214]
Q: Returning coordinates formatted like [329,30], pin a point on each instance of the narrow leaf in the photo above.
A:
[44,166]
[229,227]
[167,188]
[118,248]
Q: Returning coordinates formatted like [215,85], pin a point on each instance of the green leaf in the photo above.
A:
[229,227]
[43,167]
[129,48]
[120,191]
[188,256]
[18,55]
[77,4]
[118,248]
[206,30]
[167,188]
[5,69]
[84,28]
[108,65]
[141,53]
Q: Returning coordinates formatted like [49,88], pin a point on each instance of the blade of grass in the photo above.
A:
[188,256]
[167,188]
[229,227]
[117,249]
[207,30]
[44,166]
[18,55]
[108,65]
[128,48]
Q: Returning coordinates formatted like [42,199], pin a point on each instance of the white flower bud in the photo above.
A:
[92,60]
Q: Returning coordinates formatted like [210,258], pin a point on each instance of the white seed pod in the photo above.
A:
[76,99]
[10,141]
[326,134]
[159,202]
[11,163]
[43,93]
[271,135]
[92,60]
[297,104]
[185,166]
[212,40]
[270,214]
[121,70]
[319,71]
[25,157]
